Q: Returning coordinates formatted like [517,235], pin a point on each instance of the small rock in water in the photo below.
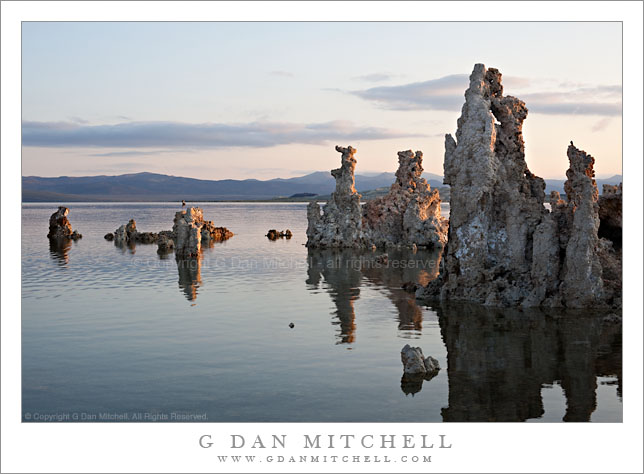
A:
[275,234]
[60,227]
[416,364]
[291,325]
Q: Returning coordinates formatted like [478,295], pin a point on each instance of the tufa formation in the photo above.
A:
[505,248]
[409,215]
[59,226]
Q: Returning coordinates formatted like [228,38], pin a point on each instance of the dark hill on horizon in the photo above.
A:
[159,187]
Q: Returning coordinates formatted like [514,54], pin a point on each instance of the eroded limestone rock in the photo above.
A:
[415,363]
[410,213]
[187,232]
[210,233]
[128,234]
[496,203]
[505,248]
[581,274]
[165,243]
[340,224]
[59,226]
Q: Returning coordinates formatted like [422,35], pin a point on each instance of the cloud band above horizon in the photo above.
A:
[203,135]
[446,94]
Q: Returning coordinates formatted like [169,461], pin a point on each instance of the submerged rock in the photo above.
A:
[410,214]
[60,227]
[340,224]
[505,248]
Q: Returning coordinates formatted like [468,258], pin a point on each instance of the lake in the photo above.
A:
[124,334]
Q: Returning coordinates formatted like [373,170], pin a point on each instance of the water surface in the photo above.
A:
[116,333]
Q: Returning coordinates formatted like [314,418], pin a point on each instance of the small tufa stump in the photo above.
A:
[274,234]
[60,227]
[415,363]
[128,234]
[417,369]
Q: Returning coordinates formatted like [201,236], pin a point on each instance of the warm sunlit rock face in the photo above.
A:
[60,227]
[187,231]
[340,224]
[190,231]
[504,247]
[410,213]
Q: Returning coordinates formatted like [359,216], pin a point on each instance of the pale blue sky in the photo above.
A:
[263,100]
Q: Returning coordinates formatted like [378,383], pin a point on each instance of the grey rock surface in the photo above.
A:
[410,214]
[340,223]
[505,248]
[415,363]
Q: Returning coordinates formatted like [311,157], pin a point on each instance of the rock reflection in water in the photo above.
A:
[412,384]
[342,275]
[59,250]
[189,275]
[343,271]
[498,360]
[125,246]
[405,266]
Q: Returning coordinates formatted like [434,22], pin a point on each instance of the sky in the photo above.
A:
[265,100]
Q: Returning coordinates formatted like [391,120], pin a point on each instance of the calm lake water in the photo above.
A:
[119,334]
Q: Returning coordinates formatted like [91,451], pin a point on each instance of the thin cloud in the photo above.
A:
[203,135]
[446,94]
[282,73]
[138,153]
[78,120]
[375,77]
[601,125]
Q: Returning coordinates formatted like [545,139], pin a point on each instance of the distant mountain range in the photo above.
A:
[160,187]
